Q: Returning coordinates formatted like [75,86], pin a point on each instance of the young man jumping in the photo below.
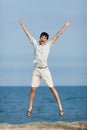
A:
[41,70]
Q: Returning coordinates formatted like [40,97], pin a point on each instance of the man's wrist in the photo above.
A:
[64,27]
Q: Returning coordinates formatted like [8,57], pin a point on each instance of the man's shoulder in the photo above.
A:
[34,41]
[49,43]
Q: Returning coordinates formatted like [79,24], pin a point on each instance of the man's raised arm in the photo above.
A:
[67,23]
[25,29]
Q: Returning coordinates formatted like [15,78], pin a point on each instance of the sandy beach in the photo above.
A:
[45,126]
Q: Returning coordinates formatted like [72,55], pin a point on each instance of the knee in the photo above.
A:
[33,89]
[53,90]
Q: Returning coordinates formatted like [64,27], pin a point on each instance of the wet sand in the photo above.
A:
[45,126]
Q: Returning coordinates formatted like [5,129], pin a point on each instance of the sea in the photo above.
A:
[14,101]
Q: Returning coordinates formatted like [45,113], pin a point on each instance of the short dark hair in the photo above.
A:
[44,34]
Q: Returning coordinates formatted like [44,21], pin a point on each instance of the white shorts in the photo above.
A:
[41,73]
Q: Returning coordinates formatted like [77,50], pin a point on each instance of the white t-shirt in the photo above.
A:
[41,53]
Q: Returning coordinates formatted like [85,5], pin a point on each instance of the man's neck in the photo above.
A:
[42,43]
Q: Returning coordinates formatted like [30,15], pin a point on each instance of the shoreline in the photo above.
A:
[45,126]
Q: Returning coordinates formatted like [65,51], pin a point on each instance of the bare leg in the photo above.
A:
[32,95]
[55,93]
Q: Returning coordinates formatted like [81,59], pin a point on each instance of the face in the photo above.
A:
[43,39]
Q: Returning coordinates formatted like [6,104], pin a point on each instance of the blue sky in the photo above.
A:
[68,57]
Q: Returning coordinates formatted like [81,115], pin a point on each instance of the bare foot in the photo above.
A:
[61,112]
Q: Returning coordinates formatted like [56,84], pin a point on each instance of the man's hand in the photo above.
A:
[67,23]
[25,29]
[21,21]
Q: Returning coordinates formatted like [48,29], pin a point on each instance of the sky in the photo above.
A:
[68,56]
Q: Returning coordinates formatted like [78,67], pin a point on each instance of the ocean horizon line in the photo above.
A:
[43,86]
